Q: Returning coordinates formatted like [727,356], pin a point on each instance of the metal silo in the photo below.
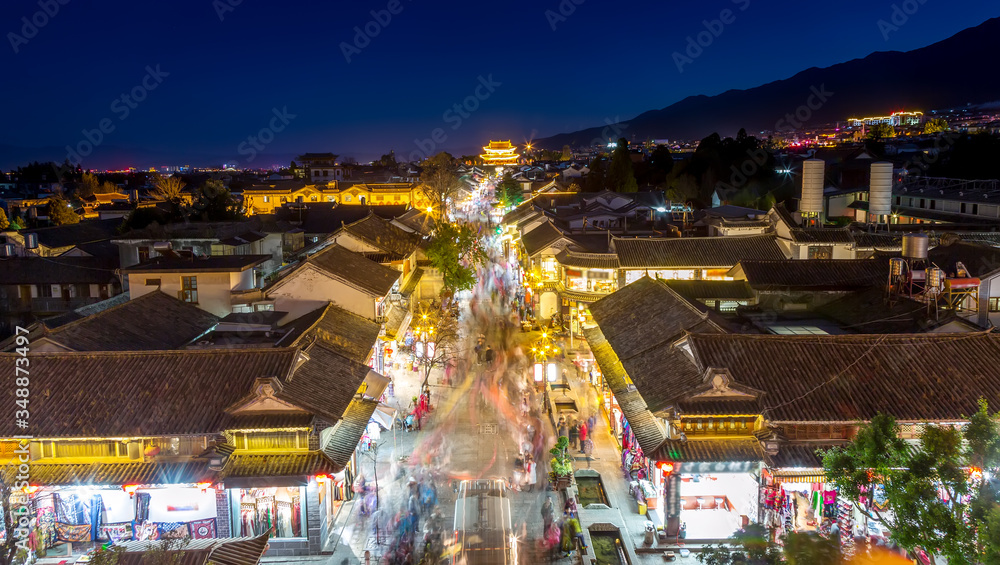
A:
[880,190]
[812,186]
[915,246]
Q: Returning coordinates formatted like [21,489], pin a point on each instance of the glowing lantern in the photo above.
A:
[666,467]
[204,486]
[130,489]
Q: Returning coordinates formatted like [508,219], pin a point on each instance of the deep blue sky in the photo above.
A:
[606,60]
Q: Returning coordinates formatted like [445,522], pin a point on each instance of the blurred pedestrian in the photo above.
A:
[547,513]
[530,472]
[591,422]
[583,436]
[574,434]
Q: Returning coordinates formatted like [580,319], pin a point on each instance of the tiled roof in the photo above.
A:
[86,231]
[348,431]
[541,237]
[711,289]
[239,551]
[220,551]
[647,431]
[58,270]
[286,464]
[356,270]
[821,235]
[878,241]
[152,321]
[213,264]
[715,450]
[568,258]
[383,235]
[347,333]
[325,384]
[814,274]
[704,252]
[802,455]
[126,394]
[843,378]
[132,472]
[417,220]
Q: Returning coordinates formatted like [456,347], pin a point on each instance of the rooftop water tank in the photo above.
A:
[915,246]
[812,186]
[880,190]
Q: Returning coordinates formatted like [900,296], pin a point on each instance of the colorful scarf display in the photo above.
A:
[172,530]
[116,532]
[72,532]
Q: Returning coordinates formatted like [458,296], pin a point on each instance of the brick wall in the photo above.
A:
[222,520]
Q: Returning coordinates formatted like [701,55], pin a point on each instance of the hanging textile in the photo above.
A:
[72,532]
[172,530]
[203,529]
[46,513]
[116,532]
[141,506]
[96,516]
[70,510]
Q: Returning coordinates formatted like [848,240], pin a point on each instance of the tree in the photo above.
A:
[935,125]
[107,187]
[947,459]
[444,331]
[440,178]
[214,203]
[878,132]
[387,161]
[621,178]
[13,549]
[749,546]
[456,251]
[509,192]
[4,222]
[597,177]
[88,186]
[812,549]
[61,212]
[567,153]
[168,189]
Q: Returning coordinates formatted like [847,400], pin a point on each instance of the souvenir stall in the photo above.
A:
[71,520]
[616,418]
[717,498]
[806,503]
[280,510]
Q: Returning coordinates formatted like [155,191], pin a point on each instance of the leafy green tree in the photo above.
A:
[61,212]
[912,478]
[4,222]
[878,132]
[596,180]
[621,178]
[935,125]
[750,546]
[213,202]
[88,186]
[509,192]
[440,178]
[456,251]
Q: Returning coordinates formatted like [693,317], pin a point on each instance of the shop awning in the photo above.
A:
[343,440]
[138,473]
[396,321]
[257,470]
[221,551]
[799,475]
[737,455]
[384,415]
[375,384]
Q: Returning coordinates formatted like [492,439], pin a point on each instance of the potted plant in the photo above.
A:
[561,464]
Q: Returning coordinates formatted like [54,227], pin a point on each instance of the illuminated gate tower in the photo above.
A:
[500,153]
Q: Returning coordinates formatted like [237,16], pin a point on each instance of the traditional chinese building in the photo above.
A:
[499,153]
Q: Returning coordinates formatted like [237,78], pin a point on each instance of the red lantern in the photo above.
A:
[666,467]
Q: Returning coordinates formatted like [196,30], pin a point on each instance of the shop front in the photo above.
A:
[711,486]
[73,519]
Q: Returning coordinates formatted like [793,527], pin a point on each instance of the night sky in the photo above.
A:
[221,80]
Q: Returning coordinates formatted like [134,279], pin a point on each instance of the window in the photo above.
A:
[932,204]
[922,202]
[398,198]
[143,254]
[152,282]
[347,198]
[975,209]
[325,172]
[963,207]
[267,199]
[314,198]
[315,173]
[189,290]
[821,252]
[994,304]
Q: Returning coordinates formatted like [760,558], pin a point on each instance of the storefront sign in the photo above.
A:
[705,467]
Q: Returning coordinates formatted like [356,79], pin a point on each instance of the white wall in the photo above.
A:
[213,288]
[310,288]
